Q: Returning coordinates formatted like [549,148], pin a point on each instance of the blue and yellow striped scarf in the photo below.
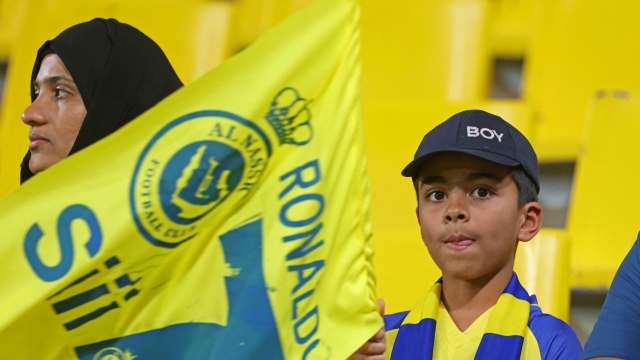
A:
[503,336]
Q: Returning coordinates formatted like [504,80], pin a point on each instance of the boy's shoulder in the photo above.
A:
[555,338]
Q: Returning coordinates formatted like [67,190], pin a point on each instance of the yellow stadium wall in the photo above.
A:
[422,62]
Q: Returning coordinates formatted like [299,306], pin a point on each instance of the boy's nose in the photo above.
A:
[456,214]
[456,210]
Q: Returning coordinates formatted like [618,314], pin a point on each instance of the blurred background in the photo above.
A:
[562,71]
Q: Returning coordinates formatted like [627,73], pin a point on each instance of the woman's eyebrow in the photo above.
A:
[52,80]
[483,175]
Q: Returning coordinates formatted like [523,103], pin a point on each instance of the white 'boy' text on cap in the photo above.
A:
[486,133]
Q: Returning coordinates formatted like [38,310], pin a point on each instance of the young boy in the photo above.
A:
[476,178]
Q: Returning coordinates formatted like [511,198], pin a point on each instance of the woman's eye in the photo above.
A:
[481,192]
[60,92]
[436,195]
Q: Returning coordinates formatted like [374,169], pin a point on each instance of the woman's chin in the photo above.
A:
[38,164]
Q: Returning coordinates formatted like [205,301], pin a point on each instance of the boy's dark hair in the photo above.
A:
[526,189]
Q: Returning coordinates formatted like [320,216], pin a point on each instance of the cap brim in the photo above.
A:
[413,167]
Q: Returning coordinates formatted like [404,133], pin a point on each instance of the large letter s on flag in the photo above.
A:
[65,239]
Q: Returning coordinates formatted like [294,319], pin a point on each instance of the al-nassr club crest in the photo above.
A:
[177,183]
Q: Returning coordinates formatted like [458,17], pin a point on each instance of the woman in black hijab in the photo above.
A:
[119,73]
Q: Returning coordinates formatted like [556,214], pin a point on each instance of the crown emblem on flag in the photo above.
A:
[290,117]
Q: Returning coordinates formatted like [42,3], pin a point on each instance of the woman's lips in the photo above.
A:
[36,140]
[458,242]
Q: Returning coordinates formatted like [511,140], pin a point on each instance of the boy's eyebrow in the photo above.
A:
[52,80]
[434,180]
[483,175]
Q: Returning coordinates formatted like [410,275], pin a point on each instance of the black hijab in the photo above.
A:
[120,74]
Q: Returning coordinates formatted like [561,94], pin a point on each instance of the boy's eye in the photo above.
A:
[481,192]
[436,195]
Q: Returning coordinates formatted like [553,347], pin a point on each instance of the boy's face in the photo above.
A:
[468,214]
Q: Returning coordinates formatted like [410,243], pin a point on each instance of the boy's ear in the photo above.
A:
[418,214]
[532,221]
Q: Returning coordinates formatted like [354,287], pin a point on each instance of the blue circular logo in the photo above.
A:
[193,171]
[197,178]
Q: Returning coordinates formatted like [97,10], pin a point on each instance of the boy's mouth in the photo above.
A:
[458,242]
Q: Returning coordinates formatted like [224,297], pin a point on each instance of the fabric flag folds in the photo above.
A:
[229,221]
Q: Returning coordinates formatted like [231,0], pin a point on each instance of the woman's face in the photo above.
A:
[55,117]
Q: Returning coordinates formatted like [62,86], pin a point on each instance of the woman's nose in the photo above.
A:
[34,114]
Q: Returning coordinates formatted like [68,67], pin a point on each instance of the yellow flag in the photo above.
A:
[231,221]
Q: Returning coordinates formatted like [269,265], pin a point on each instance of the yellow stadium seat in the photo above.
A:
[543,268]
[578,47]
[603,214]
[393,130]
[425,50]
[195,39]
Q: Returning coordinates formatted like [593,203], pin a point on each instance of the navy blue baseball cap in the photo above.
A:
[478,133]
